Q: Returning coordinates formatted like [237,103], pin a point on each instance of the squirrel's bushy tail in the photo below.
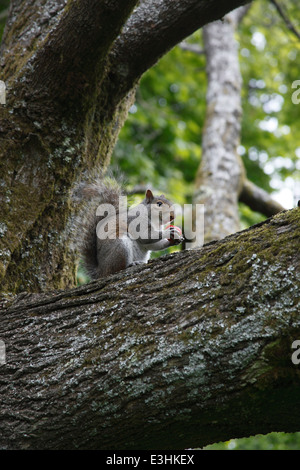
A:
[104,190]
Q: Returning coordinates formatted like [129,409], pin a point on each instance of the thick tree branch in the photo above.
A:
[236,16]
[193,348]
[158,25]
[72,49]
[258,199]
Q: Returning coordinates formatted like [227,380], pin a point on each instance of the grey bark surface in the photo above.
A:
[190,349]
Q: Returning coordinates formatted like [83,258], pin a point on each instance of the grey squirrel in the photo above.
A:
[113,237]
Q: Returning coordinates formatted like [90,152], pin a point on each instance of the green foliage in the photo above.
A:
[269,59]
[161,140]
[272,441]
[249,217]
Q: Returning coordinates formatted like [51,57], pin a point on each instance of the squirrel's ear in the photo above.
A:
[149,195]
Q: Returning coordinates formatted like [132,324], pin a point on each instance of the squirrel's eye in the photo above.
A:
[159,203]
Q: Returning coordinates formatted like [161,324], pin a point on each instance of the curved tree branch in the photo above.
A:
[66,51]
[258,199]
[158,25]
[190,349]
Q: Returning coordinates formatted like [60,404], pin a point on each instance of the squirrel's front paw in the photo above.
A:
[175,235]
[176,241]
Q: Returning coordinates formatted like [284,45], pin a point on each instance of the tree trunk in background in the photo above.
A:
[70,71]
[220,175]
[221,179]
[194,348]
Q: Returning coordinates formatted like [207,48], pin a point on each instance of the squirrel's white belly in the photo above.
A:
[135,251]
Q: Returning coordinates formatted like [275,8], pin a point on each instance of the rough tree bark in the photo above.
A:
[70,71]
[168,355]
[193,348]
